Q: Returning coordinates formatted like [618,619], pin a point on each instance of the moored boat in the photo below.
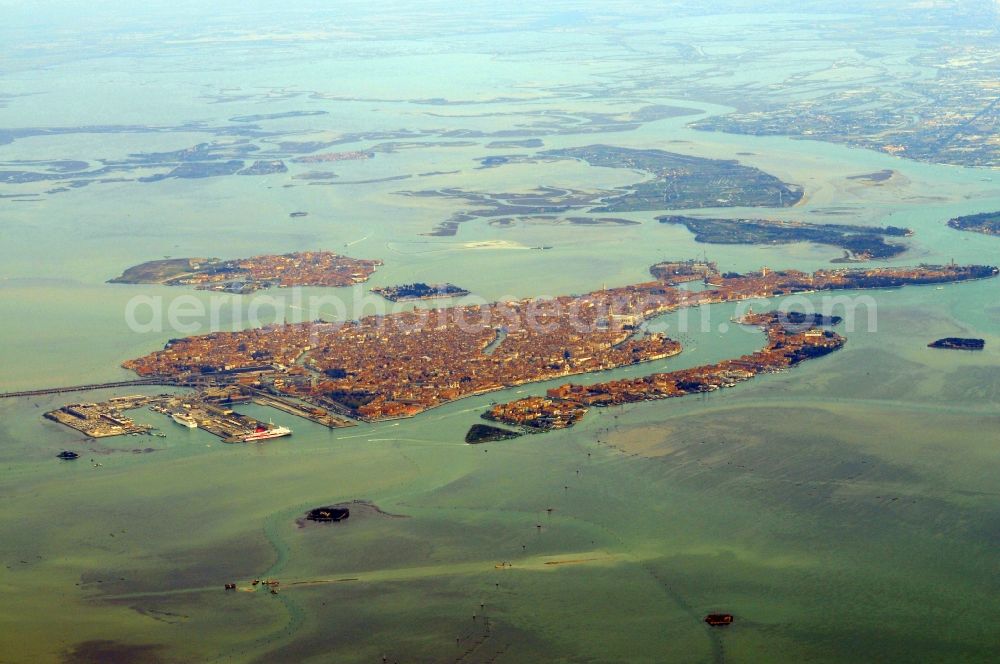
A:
[184,419]
[265,433]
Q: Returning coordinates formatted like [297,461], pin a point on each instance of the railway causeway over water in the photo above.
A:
[94,386]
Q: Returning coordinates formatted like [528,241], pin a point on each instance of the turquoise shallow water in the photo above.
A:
[843,511]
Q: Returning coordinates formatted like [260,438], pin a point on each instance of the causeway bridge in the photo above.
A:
[93,386]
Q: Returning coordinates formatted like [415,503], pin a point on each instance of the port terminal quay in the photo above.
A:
[211,409]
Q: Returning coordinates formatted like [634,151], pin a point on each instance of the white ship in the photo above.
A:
[184,419]
[265,433]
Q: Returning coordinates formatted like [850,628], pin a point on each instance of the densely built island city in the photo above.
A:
[401,364]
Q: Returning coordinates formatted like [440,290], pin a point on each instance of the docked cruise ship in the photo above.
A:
[264,433]
[185,419]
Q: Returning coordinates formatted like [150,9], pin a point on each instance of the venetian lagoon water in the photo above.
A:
[844,511]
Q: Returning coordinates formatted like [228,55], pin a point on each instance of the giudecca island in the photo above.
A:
[792,337]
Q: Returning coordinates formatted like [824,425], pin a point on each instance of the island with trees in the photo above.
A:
[987,223]
[419,291]
[861,242]
[958,343]
[484,433]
